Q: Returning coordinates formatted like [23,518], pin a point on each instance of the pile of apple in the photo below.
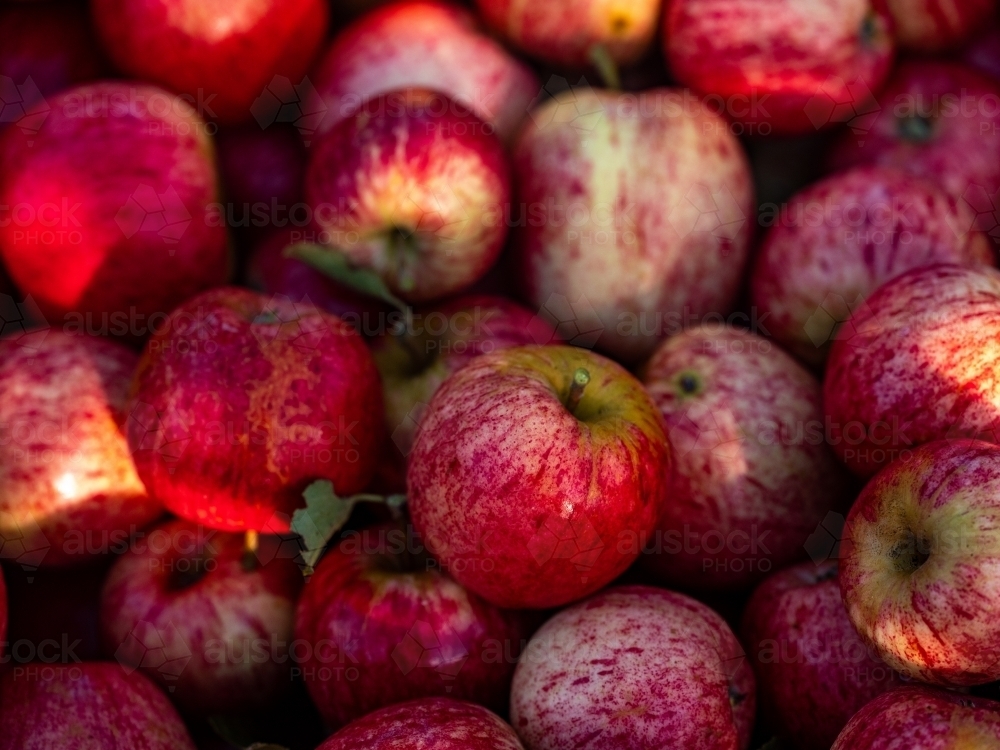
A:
[549,375]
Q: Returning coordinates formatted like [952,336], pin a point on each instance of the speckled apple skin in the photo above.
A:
[934,25]
[961,154]
[221,53]
[749,460]
[840,239]
[935,623]
[430,724]
[227,621]
[524,502]
[813,671]
[634,667]
[923,718]
[87,706]
[67,479]
[640,210]
[422,43]
[916,364]
[241,400]
[782,66]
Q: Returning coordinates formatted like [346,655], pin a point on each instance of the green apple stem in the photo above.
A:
[606,66]
[403,331]
[251,541]
[580,380]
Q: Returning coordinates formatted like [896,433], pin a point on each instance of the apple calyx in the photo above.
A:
[606,66]
[916,128]
[909,553]
[580,380]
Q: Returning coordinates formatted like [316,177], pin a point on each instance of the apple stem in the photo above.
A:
[606,66]
[580,380]
[403,331]
[251,541]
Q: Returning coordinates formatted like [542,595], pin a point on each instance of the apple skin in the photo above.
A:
[911,366]
[813,671]
[920,573]
[634,667]
[935,25]
[82,248]
[241,401]
[261,168]
[524,502]
[86,706]
[222,56]
[563,32]
[431,723]
[916,717]
[750,465]
[191,588]
[840,239]
[780,66]
[983,52]
[635,176]
[68,484]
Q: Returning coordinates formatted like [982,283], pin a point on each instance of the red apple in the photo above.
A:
[920,573]
[524,477]
[68,485]
[634,667]
[262,171]
[840,239]
[107,220]
[752,476]
[432,723]
[635,208]
[221,56]
[422,43]
[87,706]
[781,66]
[813,671]
[983,52]
[916,363]
[240,401]
[922,718]
[934,25]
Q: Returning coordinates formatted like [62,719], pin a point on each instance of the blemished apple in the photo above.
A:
[222,56]
[838,240]
[916,717]
[918,362]
[634,667]
[920,573]
[109,205]
[642,210]
[752,476]
[86,706]
[433,723]
[68,484]
[813,671]
[935,25]
[412,187]
[240,401]
[206,619]
[422,44]
[781,66]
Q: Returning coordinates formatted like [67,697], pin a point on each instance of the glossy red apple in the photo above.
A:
[262,172]
[529,466]
[934,25]
[68,485]
[87,706]
[422,43]
[634,667]
[781,66]
[221,56]
[916,363]
[107,221]
[240,401]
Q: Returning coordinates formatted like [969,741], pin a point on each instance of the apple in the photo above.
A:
[636,208]
[781,66]
[934,25]
[222,56]
[634,667]
[68,485]
[432,723]
[87,706]
[838,240]
[921,557]
[752,476]
[422,43]
[413,188]
[915,363]
[106,224]
[813,671]
[529,465]
[983,52]
[241,401]
[923,718]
